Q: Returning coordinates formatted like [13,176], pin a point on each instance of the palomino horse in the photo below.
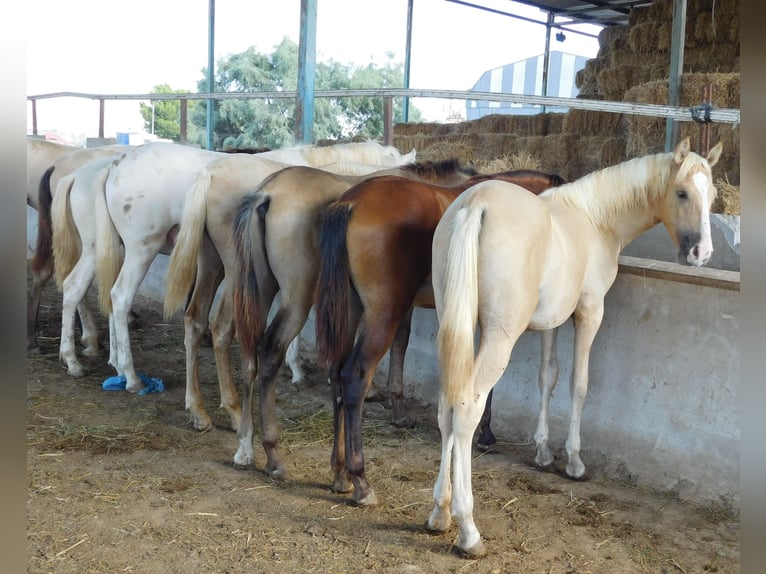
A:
[74,252]
[142,204]
[204,244]
[507,261]
[67,159]
[277,250]
[375,267]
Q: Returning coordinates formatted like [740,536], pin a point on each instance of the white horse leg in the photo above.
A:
[89,337]
[586,326]
[113,346]
[549,373]
[492,359]
[292,358]
[74,288]
[441,516]
[466,418]
[123,293]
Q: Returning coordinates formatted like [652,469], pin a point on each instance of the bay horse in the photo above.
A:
[203,259]
[277,251]
[507,261]
[57,160]
[141,208]
[375,267]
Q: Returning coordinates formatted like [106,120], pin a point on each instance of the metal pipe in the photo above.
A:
[210,72]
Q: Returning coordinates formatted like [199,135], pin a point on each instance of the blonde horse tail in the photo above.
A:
[460,294]
[66,237]
[182,266]
[108,248]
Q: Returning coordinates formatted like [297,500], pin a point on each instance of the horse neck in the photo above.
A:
[621,200]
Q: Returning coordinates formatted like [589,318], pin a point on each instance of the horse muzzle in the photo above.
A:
[695,250]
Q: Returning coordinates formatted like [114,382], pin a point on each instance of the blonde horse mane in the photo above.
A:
[607,193]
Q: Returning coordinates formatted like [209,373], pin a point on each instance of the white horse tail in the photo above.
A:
[66,238]
[108,248]
[460,295]
[182,266]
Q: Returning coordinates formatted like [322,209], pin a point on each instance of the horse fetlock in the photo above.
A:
[91,350]
[75,369]
[243,458]
[575,468]
[440,519]
[342,484]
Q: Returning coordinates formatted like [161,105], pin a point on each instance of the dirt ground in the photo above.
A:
[122,483]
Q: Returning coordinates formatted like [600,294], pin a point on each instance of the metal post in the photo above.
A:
[547,55]
[34,117]
[707,98]
[101,117]
[210,72]
[304,104]
[183,120]
[388,123]
[407,50]
[676,68]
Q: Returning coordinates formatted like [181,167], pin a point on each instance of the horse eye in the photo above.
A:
[681,193]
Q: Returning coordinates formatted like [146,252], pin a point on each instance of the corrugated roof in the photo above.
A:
[599,12]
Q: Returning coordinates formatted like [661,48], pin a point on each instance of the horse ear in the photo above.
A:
[682,150]
[715,154]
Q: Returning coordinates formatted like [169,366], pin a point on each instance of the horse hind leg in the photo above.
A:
[292,358]
[549,372]
[486,439]
[223,331]
[74,288]
[40,278]
[399,417]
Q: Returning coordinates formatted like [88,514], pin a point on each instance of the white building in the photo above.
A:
[526,78]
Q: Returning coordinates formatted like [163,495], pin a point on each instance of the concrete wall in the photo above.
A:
[663,404]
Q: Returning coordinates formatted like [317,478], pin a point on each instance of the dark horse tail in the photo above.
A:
[333,287]
[44,248]
[249,246]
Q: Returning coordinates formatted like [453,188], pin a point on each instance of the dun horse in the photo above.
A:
[375,266]
[506,261]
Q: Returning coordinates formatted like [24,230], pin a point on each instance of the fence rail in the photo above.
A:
[703,113]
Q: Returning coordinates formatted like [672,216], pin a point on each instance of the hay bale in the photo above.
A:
[588,122]
[612,152]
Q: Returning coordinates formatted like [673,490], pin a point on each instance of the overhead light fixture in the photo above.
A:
[560,36]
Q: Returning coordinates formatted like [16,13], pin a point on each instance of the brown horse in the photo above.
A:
[375,267]
[276,240]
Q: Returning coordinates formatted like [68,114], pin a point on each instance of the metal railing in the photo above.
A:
[704,113]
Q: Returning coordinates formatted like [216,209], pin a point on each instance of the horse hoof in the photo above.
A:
[277,473]
[404,421]
[90,352]
[369,499]
[203,424]
[476,551]
[437,526]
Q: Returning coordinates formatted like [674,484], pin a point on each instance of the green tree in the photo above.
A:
[270,123]
[167,115]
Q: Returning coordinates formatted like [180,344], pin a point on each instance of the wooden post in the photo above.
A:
[707,98]
[388,115]
[101,118]
[182,137]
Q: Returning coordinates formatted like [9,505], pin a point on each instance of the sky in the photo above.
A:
[106,47]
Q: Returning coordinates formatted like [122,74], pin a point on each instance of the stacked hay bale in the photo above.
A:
[632,65]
